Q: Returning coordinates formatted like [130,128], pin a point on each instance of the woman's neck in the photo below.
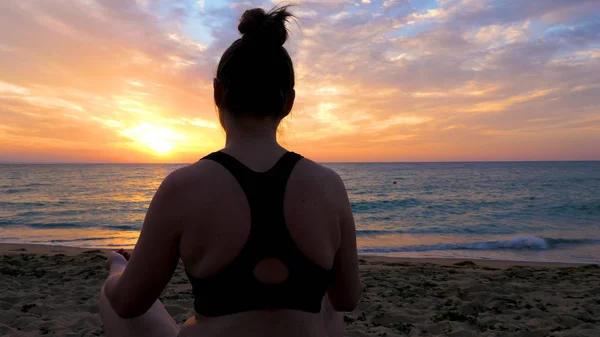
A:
[251,136]
[257,150]
[250,141]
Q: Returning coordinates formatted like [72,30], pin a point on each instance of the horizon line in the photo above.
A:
[321,162]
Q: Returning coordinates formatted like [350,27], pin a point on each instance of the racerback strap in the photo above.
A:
[259,184]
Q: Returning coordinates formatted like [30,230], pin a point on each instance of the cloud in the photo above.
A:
[495,35]
[385,80]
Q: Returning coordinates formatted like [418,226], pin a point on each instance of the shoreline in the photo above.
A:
[25,248]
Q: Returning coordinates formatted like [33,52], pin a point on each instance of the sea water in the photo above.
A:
[526,211]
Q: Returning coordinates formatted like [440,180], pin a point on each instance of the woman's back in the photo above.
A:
[216,228]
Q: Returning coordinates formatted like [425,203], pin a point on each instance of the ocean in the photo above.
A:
[521,211]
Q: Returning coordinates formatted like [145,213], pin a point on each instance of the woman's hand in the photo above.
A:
[117,260]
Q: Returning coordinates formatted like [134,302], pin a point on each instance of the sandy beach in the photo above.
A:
[53,291]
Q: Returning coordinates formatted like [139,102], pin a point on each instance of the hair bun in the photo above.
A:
[265,28]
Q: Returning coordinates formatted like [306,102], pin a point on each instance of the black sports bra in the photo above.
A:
[235,289]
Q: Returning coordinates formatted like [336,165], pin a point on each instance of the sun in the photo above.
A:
[159,139]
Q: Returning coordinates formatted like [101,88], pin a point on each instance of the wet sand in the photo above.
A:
[53,291]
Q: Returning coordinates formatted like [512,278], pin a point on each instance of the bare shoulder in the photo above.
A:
[193,176]
[312,172]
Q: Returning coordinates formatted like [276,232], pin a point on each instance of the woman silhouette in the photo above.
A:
[266,236]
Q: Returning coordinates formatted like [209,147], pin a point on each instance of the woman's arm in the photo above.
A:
[132,288]
[345,287]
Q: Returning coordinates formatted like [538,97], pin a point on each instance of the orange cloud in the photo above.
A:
[131,81]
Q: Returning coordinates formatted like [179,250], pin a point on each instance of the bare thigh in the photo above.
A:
[156,322]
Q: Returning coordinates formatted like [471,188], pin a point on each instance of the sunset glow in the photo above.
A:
[393,80]
[160,140]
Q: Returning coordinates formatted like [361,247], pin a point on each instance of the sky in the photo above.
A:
[392,80]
